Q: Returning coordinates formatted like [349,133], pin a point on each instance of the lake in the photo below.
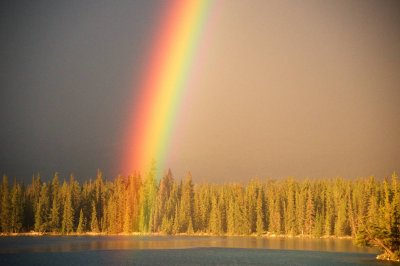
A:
[181,250]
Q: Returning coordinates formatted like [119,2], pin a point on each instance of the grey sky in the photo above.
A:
[281,88]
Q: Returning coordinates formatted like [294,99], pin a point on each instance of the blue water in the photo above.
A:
[181,251]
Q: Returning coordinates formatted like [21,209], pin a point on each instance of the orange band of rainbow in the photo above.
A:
[163,84]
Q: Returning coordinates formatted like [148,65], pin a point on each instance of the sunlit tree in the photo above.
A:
[5,205]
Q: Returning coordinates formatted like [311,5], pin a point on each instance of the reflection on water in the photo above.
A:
[87,243]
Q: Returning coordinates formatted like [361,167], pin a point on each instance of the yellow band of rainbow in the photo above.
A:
[163,84]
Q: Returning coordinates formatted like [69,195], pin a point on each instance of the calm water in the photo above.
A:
[166,250]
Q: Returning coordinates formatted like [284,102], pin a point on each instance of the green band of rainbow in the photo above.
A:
[163,84]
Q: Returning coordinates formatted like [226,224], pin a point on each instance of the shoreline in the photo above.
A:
[267,235]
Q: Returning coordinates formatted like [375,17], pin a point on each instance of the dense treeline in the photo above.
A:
[365,207]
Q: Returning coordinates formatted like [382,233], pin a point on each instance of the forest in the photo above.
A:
[366,209]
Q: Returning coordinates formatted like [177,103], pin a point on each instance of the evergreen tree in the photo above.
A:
[166,225]
[204,208]
[16,208]
[164,202]
[230,216]
[290,218]
[366,208]
[94,224]
[341,224]
[55,206]
[176,225]
[250,206]
[128,221]
[329,213]
[67,225]
[275,214]
[222,211]
[319,226]
[260,215]
[100,198]
[148,196]
[241,225]
[42,210]
[75,199]
[310,213]
[36,188]
[215,226]
[5,206]
[186,203]
[81,223]
[112,221]
[301,195]
[190,229]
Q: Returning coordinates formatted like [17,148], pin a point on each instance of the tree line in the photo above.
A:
[364,208]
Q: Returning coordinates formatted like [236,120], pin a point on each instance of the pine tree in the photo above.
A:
[260,215]
[36,187]
[301,196]
[319,226]
[42,210]
[75,199]
[215,222]
[5,206]
[241,225]
[135,188]
[148,196]
[310,213]
[329,213]
[186,203]
[176,225]
[112,216]
[166,226]
[203,215]
[290,217]
[128,224]
[55,207]
[352,207]
[94,224]
[16,208]
[230,217]
[274,212]
[250,206]
[341,224]
[81,223]
[190,230]
[163,200]
[365,207]
[68,215]
[222,211]
[394,236]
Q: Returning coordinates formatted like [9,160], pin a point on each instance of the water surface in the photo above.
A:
[181,250]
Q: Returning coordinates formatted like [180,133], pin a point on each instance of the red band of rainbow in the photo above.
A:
[163,84]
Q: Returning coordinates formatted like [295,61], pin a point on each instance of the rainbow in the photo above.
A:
[163,84]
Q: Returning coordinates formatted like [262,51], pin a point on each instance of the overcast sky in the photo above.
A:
[279,88]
